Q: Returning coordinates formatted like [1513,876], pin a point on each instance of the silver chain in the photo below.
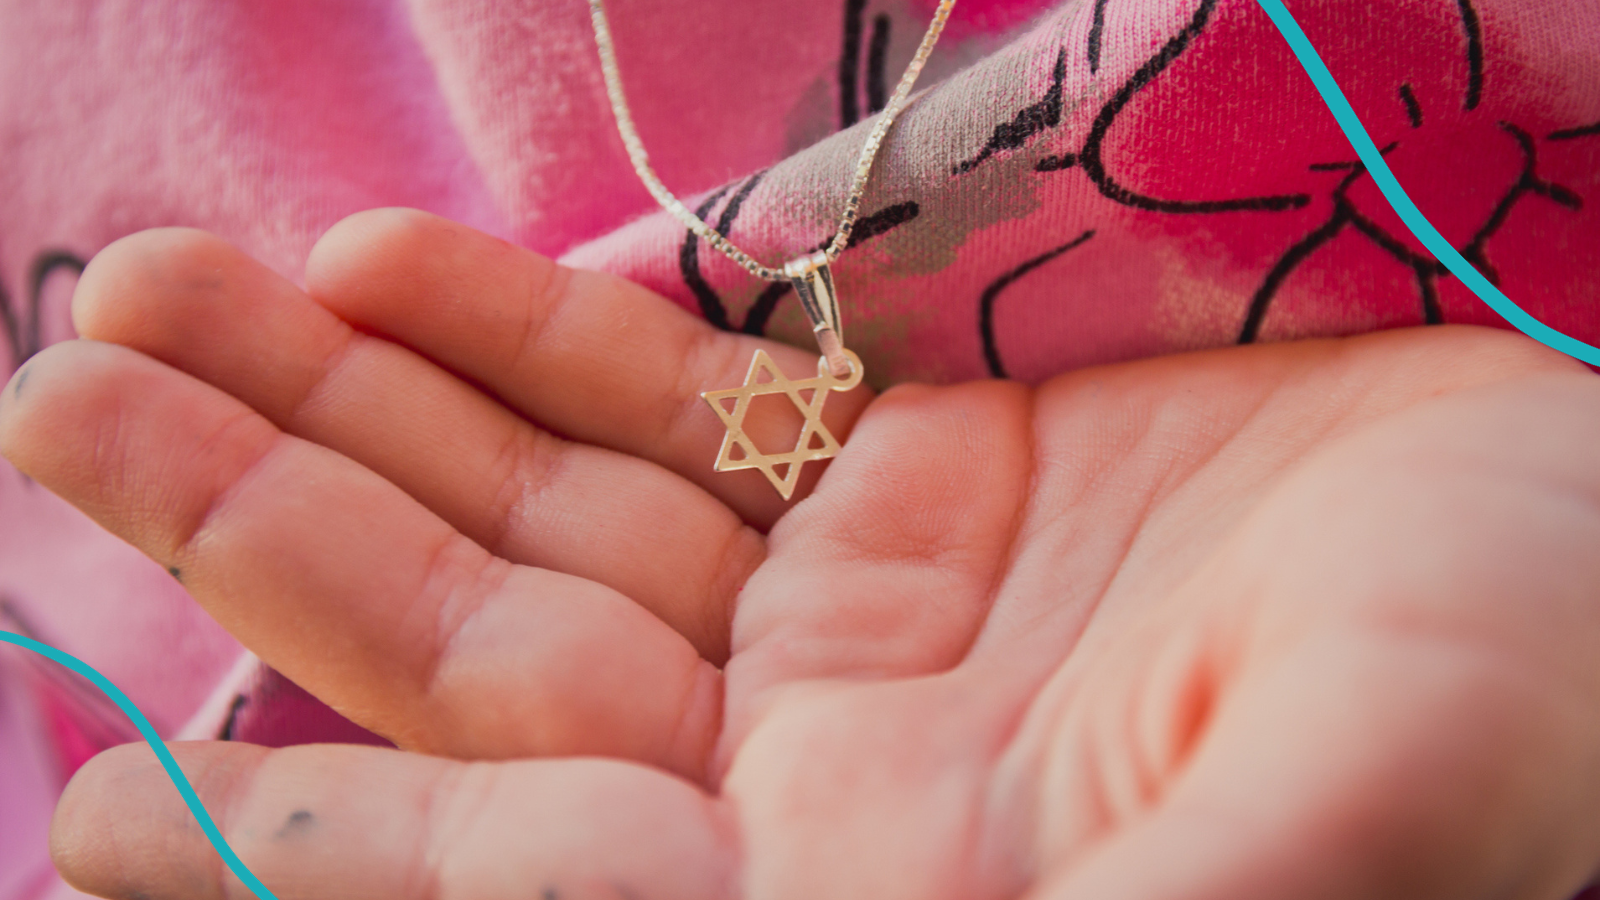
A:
[669,202]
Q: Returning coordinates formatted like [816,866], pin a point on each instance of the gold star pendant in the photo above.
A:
[812,432]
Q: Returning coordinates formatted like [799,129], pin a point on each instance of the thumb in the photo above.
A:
[1362,768]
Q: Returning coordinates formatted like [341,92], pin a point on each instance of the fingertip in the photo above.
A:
[337,257]
[72,825]
[121,823]
[96,802]
[133,275]
[135,445]
[34,415]
[388,258]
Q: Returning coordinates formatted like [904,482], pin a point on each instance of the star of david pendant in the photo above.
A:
[815,441]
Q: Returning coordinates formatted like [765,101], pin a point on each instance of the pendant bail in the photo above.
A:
[813,282]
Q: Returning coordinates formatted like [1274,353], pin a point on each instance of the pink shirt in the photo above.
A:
[1081,183]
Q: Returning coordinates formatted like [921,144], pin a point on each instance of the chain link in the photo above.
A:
[869,151]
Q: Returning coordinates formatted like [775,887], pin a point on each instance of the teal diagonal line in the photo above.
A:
[1409,214]
[162,753]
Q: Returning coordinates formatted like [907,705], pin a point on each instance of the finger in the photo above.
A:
[587,355]
[347,585]
[198,304]
[888,570]
[315,822]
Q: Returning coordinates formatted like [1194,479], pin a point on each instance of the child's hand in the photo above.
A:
[1307,620]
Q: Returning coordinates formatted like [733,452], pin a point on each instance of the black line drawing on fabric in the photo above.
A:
[1528,183]
[1089,157]
[1056,163]
[1013,135]
[1094,167]
[868,227]
[1046,113]
[756,317]
[1344,213]
[877,65]
[761,310]
[1032,119]
[231,723]
[882,221]
[1097,31]
[1428,270]
[1474,30]
[689,266]
[853,76]
[991,350]
[1567,134]
[855,12]
[1413,108]
[24,330]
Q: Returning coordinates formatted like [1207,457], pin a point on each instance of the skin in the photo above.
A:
[1310,620]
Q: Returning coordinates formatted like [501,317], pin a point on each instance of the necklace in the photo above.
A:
[838,369]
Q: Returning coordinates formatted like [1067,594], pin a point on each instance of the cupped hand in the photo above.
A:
[1313,620]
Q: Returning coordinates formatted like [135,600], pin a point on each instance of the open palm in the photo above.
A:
[1310,620]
